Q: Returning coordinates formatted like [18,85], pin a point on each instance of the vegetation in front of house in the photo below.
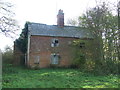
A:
[7,56]
[83,53]
[20,77]
[101,21]
[86,59]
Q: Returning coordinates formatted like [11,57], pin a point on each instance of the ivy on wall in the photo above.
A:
[21,42]
[84,54]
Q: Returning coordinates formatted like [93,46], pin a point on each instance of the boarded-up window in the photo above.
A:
[36,59]
[54,43]
[54,58]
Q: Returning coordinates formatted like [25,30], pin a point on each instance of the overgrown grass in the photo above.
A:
[20,77]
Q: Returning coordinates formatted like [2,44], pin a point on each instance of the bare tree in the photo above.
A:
[8,25]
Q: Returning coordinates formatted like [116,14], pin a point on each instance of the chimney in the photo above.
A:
[60,18]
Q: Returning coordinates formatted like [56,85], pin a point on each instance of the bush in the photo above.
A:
[8,68]
[7,56]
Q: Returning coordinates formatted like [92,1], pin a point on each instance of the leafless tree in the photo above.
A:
[8,25]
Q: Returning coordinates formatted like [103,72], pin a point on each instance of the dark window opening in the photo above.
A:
[82,57]
[82,45]
[54,43]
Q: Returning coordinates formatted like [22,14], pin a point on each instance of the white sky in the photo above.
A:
[45,11]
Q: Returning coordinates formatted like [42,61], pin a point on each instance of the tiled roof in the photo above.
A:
[54,30]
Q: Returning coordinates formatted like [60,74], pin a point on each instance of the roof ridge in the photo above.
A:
[37,23]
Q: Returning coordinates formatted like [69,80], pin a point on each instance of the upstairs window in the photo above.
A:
[54,43]
[54,58]
[82,45]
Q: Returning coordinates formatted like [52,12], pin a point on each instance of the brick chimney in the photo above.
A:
[60,18]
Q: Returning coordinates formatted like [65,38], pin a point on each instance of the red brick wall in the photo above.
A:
[41,46]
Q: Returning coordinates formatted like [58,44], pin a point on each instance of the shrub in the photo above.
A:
[7,56]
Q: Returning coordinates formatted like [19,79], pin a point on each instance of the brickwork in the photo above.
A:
[41,46]
[60,18]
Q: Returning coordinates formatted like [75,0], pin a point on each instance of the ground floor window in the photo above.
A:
[54,58]
[36,59]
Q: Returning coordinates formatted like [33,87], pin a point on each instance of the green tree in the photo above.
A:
[118,10]
[21,42]
[103,24]
[7,55]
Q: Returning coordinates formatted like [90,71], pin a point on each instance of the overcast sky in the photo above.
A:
[45,11]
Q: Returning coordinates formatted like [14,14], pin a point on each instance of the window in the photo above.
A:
[36,59]
[82,57]
[82,45]
[54,58]
[54,43]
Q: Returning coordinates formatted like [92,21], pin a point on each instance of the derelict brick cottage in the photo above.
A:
[51,44]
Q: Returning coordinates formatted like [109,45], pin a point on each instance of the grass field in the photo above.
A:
[19,77]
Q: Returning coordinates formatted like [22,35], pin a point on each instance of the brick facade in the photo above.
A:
[41,46]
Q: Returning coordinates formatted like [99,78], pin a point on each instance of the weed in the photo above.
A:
[19,77]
